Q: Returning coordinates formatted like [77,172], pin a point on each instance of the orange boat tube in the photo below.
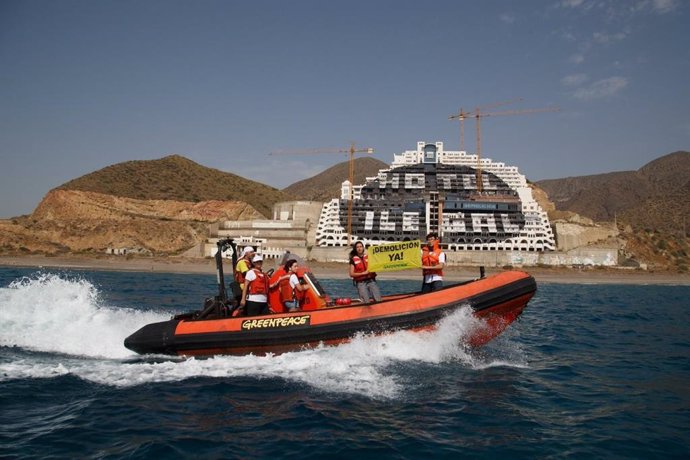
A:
[498,300]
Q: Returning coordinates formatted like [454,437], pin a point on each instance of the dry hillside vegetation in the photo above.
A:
[69,221]
[651,206]
[179,179]
[327,185]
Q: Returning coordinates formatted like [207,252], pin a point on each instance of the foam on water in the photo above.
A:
[54,314]
[64,319]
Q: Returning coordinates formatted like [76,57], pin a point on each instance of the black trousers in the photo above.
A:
[256,308]
[431,287]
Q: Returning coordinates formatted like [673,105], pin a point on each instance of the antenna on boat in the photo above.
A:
[224,245]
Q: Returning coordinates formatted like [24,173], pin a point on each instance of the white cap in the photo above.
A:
[247,250]
[257,258]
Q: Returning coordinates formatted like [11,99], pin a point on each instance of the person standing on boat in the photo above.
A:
[361,276]
[244,264]
[290,286]
[433,261]
[255,290]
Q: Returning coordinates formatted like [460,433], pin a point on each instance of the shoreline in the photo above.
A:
[337,270]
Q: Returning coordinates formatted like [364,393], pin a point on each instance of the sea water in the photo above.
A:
[588,371]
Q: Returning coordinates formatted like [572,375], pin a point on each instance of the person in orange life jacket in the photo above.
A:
[255,290]
[433,261]
[244,264]
[361,276]
[290,286]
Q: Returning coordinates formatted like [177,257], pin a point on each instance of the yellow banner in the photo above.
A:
[400,255]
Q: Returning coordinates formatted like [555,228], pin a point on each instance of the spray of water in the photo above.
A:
[54,314]
[66,321]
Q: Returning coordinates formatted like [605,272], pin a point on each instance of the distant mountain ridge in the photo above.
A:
[327,185]
[165,205]
[603,197]
[176,178]
[651,206]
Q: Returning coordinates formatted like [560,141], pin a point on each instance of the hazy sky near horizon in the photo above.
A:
[86,84]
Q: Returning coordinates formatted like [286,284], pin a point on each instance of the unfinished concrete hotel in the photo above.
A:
[485,207]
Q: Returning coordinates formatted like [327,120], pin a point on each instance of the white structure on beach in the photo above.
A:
[487,219]
[431,189]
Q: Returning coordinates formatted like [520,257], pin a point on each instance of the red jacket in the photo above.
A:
[259,285]
[288,293]
[361,265]
[239,276]
[431,258]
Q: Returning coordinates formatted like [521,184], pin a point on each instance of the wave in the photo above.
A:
[50,313]
[78,335]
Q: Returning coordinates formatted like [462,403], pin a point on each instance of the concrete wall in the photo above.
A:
[297,234]
[297,211]
[571,235]
[607,257]
[329,254]
[290,230]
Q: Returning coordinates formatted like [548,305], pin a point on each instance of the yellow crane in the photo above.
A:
[477,114]
[352,150]
[461,116]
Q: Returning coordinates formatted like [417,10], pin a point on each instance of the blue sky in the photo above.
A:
[87,84]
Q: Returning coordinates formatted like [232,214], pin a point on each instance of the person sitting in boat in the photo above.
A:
[433,261]
[361,276]
[244,264]
[255,290]
[290,286]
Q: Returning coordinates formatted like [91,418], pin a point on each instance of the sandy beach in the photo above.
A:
[335,270]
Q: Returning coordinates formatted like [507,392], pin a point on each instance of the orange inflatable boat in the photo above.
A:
[498,300]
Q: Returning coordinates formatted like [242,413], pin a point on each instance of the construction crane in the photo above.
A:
[477,114]
[462,116]
[352,150]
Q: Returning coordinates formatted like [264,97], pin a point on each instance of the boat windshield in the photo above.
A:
[314,284]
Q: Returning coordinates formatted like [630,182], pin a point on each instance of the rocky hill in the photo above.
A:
[326,185]
[155,207]
[72,221]
[603,196]
[179,179]
[650,206]
[152,207]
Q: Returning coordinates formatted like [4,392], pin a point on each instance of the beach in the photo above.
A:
[335,270]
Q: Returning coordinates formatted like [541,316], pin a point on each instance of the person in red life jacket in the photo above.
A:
[433,261]
[244,264]
[290,286]
[255,290]
[361,276]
